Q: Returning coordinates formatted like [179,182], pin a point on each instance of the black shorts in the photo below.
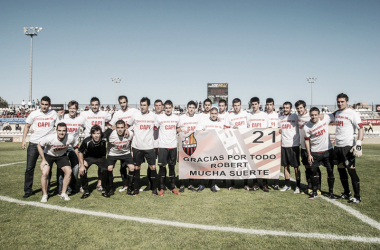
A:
[139,155]
[325,159]
[156,152]
[304,158]
[167,156]
[61,161]
[341,154]
[124,160]
[290,157]
[100,162]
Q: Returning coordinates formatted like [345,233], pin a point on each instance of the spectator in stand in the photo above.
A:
[38,103]
[29,104]
[323,108]
[17,126]
[23,104]
[33,104]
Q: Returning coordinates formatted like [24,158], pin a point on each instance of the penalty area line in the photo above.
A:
[317,236]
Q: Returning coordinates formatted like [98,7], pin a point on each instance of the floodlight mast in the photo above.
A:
[116,80]
[311,80]
[31,31]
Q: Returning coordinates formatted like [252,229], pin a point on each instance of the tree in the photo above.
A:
[3,103]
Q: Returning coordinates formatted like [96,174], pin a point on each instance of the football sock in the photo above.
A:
[265,182]
[245,182]
[162,176]
[355,182]
[287,182]
[213,181]
[319,178]
[314,180]
[255,182]
[110,180]
[130,178]
[307,173]
[330,179]
[172,175]
[123,173]
[232,183]
[148,174]
[276,182]
[344,179]
[137,179]
[153,177]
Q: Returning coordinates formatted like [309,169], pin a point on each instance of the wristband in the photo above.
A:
[358,142]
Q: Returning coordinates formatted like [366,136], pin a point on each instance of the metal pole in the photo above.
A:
[116,93]
[311,95]
[31,67]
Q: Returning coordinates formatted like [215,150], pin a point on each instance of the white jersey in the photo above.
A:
[257,120]
[73,124]
[224,118]
[167,126]
[273,120]
[203,117]
[318,134]
[100,118]
[119,145]
[156,133]
[143,130]
[55,147]
[188,123]
[238,120]
[290,136]
[347,122]
[122,115]
[210,124]
[302,120]
[42,124]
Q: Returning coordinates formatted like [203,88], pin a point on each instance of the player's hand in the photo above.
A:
[82,170]
[126,133]
[310,159]
[110,168]
[280,131]
[356,150]
[235,127]
[23,145]
[219,119]
[43,164]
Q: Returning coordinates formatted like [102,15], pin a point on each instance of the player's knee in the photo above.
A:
[152,167]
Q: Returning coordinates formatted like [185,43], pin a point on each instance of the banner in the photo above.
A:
[13,120]
[372,121]
[6,139]
[230,154]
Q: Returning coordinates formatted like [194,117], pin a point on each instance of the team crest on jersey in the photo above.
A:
[189,145]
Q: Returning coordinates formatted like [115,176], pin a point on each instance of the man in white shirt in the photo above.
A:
[290,142]
[56,147]
[92,117]
[319,150]
[257,119]
[205,115]
[142,143]
[124,114]
[167,125]
[23,104]
[42,122]
[237,119]
[188,123]
[347,121]
[223,114]
[73,122]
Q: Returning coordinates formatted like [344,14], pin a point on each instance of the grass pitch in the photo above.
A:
[24,226]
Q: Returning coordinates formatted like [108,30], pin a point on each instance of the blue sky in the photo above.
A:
[172,49]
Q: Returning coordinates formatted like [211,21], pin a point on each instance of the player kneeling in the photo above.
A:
[56,146]
[119,148]
[319,149]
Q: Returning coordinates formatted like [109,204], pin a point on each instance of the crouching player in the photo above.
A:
[119,148]
[319,150]
[167,124]
[56,146]
[92,151]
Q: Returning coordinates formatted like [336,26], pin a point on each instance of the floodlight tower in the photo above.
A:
[311,80]
[116,80]
[31,31]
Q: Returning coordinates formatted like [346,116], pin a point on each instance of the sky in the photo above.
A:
[172,49]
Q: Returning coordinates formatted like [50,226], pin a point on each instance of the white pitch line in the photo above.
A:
[12,163]
[196,226]
[350,210]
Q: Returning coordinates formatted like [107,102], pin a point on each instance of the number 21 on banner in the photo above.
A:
[261,134]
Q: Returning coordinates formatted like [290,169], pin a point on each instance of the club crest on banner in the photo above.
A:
[189,145]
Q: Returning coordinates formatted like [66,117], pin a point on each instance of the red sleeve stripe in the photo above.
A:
[360,125]
[307,138]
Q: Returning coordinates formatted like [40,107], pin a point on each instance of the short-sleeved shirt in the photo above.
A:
[123,115]
[156,133]
[42,124]
[188,123]
[318,134]
[224,118]
[118,145]
[55,147]
[210,124]
[167,126]
[347,122]
[290,136]
[239,120]
[203,116]
[90,119]
[257,120]
[73,124]
[302,120]
[273,120]
[143,130]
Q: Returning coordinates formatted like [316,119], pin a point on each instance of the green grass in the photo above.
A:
[24,226]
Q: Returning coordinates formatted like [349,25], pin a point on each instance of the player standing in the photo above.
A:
[56,146]
[92,117]
[237,119]
[224,118]
[290,142]
[142,143]
[167,146]
[43,121]
[347,121]
[319,150]
[124,114]
[187,123]
[257,119]
[205,115]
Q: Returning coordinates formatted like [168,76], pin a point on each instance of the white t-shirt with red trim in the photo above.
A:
[224,118]
[73,124]
[55,147]
[257,120]
[210,124]
[119,145]
[239,120]
[347,122]
[318,134]
[188,123]
[123,115]
[290,136]
[167,126]
[143,130]
[100,118]
[42,124]
[273,120]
